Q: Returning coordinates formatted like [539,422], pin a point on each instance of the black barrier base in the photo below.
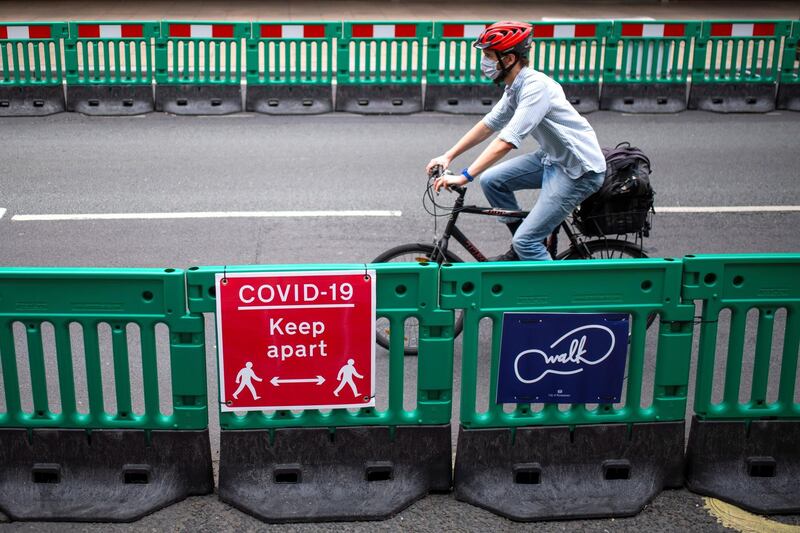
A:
[733,97]
[312,474]
[289,99]
[462,99]
[110,99]
[756,469]
[34,100]
[105,476]
[379,99]
[644,98]
[545,473]
[789,96]
[584,97]
[199,99]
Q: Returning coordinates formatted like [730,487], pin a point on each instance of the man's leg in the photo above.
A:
[559,197]
[500,181]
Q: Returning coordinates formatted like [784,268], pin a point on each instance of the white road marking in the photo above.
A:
[2,212]
[730,209]
[345,213]
[202,214]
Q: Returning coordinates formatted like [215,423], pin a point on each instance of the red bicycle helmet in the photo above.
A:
[506,37]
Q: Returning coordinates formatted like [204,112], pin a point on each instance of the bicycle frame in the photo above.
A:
[451,230]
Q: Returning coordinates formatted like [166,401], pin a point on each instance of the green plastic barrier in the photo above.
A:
[199,67]
[30,68]
[569,52]
[416,299]
[78,461]
[110,67]
[290,67]
[571,452]
[745,451]
[89,298]
[380,66]
[360,464]
[735,66]
[789,89]
[647,66]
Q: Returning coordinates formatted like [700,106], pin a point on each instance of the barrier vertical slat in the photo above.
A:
[150,369]
[758,394]
[94,376]
[745,452]
[737,78]
[791,345]
[121,368]
[66,376]
[571,446]
[8,353]
[147,460]
[733,364]
[789,88]
[41,406]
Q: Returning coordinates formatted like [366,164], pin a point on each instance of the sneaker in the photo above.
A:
[510,255]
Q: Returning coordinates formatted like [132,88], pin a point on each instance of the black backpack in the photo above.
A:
[625,200]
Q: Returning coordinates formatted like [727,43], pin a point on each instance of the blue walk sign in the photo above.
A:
[562,358]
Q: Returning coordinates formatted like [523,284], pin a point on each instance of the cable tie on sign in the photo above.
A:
[366,272]
[224,273]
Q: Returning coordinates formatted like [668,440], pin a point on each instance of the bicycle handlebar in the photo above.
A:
[437,171]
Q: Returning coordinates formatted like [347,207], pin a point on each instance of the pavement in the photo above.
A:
[158,163]
[38,10]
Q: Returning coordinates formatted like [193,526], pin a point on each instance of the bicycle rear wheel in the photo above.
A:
[604,249]
[410,253]
[608,249]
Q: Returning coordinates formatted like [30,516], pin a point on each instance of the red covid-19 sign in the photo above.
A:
[296,340]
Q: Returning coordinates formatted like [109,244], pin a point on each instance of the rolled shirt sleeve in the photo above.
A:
[500,114]
[532,106]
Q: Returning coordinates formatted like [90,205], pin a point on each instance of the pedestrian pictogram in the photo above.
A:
[243,378]
[296,340]
[345,377]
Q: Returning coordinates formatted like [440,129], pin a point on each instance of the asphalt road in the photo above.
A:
[70,164]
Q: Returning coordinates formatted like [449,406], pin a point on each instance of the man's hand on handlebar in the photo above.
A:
[442,161]
[447,180]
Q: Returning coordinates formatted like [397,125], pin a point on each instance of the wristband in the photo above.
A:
[467,175]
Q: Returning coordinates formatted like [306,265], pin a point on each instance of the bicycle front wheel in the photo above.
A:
[409,253]
[608,249]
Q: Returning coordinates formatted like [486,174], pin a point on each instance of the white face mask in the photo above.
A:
[489,68]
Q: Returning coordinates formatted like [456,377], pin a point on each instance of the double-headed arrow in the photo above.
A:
[319,380]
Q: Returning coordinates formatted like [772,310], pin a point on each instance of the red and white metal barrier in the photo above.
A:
[728,29]
[384,31]
[201,31]
[110,31]
[653,30]
[564,31]
[292,31]
[25,32]
[462,30]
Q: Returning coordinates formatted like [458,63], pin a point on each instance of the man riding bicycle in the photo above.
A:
[568,167]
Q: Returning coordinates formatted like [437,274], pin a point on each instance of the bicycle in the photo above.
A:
[580,247]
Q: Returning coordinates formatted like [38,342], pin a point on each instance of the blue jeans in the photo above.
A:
[559,197]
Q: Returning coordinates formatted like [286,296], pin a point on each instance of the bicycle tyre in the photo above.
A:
[418,252]
[610,246]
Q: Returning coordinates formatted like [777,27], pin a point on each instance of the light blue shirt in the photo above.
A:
[534,104]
